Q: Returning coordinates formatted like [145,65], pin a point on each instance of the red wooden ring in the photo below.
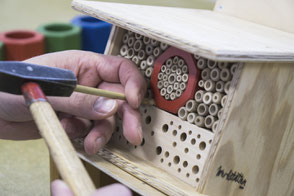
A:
[194,74]
[22,44]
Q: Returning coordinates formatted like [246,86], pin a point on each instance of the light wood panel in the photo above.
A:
[209,34]
[277,14]
[257,142]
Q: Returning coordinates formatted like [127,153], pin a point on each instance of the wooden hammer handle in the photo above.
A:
[61,149]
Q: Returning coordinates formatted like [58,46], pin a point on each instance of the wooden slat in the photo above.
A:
[258,136]
[210,34]
[277,14]
[142,178]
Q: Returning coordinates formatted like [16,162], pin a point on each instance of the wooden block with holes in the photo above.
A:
[224,92]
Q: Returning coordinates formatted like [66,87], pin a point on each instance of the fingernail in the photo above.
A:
[99,143]
[103,105]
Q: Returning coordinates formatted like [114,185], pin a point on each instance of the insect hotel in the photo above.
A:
[223,84]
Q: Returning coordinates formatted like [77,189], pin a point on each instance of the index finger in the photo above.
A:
[92,68]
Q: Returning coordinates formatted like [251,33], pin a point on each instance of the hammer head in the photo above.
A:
[53,81]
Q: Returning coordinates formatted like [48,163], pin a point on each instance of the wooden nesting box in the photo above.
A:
[250,150]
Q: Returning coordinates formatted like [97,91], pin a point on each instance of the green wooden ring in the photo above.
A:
[1,51]
[61,36]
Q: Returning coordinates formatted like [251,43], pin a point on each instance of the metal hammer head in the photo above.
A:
[53,81]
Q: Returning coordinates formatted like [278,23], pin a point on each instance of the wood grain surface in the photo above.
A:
[209,34]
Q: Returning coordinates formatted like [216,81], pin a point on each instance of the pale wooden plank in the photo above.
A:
[134,173]
[209,34]
[258,136]
[276,14]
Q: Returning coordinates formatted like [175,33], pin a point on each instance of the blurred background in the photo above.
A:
[24,165]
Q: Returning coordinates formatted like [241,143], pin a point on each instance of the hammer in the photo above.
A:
[34,82]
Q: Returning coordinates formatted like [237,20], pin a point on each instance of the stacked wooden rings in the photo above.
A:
[194,74]
[22,44]
[61,36]
[95,33]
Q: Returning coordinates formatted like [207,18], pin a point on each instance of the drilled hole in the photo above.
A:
[186,150]
[169,164]
[197,179]
[209,141]
[190,132]
[152,133]
[171,122]
[185,164]
[198,136]
[198,156]
[166,154]
[202,145]
[187,175]
[135,147]
[161,160]
[158,150]
[176,159]
[148,120]
[179,170]
[180,126]
[193,141]
[175,132]
[143,142]
[183,136]
[165,128]
[174,144]
[195,169]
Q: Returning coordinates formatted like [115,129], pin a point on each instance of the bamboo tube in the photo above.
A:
[168,71]
[179,92]
[141,54]
[185,78]
[205,74]
[163,46]
[175,60]
[165,84]
[165,77]
[149,49]
[182,113]
[233,68]
[130,53]
[191,106]
[227,87]
[160,84]
[154,42]
[146,40]
[163,92]
[181,62]
[183,86]
[169,89]
[207,98]
[213,109]
[201,83]
[217,97]
[220,112]
[224,100]
[225,75]
[211,64]
[130,32]
[196,56]
[177,86]
[106,93]
[209,85]
[222,65]
[156,51]
[215,74]
[143,65]
[138,36]
[150,60]
[124,50]
[172,78]
[185,69]
[167,96]
[148,72]
[138,45]
[160,76]
[125,38]
[179,78]
[199,121]
[163,68]
[169,62]
[199,96]
[214,126]
[202,109]
[174,68]
[208,121]
[136,60]
[219,86]
[173,96]
[179,71]
[191,118]
[201,63]
[131,41]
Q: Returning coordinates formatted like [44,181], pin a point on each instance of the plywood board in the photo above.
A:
[255,155]
[277,14]
[209,34]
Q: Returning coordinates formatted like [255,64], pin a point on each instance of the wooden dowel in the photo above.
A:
[108,94]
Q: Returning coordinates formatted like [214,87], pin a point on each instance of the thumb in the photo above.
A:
[85,106]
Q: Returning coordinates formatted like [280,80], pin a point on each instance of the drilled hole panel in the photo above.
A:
[176,146]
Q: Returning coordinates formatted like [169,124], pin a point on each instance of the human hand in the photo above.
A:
[75,112]
[59,188]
